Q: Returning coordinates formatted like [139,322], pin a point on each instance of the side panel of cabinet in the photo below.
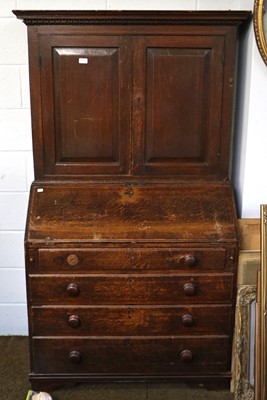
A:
[85,86]
[178,104]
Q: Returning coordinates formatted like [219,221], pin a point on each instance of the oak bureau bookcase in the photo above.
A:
[131,239]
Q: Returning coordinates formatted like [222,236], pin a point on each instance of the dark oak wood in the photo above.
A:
[130,355]
[130,289]
[87,17]
[100,213]
[78,260]
[131,241]
[220,381]
[180,89]
[88,86]
[138,320]
[109,98]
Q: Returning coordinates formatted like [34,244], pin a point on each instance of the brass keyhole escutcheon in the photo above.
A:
[129,192]
[72,259]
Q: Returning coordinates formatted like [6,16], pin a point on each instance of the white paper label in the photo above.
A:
[83,60]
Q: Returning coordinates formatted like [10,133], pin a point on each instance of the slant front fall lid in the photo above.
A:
[128,213]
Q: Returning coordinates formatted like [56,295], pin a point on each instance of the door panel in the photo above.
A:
[169,97]
[89,85]
[87,93]
[181,86]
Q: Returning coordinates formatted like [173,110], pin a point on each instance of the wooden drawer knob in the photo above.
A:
[75,357]
[189,289]
[74,321]
[188,260]
[72,259]
[186,356]
[73,289]
[187,320]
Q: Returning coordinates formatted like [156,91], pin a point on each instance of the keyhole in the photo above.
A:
[128,343]
[129,192]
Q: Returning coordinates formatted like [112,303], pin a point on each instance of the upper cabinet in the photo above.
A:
[132,94]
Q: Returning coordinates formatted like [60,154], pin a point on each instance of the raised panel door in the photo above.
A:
[179,90]
[86,103]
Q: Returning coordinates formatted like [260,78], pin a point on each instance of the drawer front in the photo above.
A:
[130,320]
[130,289]
[86,260]
[131,355]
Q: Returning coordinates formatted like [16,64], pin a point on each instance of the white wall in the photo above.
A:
[254,190]
[16,171]
[15,168]
[251,131]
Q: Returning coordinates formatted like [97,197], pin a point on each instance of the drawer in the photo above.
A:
[130,320]
[130,289]
[86,260]
[131,355]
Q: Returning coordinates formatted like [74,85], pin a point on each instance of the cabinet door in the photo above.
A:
[86,104]
[178,91]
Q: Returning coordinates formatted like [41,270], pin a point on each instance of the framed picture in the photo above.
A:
[244,343]
[261,325]
[260,27]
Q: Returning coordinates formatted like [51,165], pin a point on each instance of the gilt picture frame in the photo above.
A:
[243,383]
[260,27]
[261,341]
